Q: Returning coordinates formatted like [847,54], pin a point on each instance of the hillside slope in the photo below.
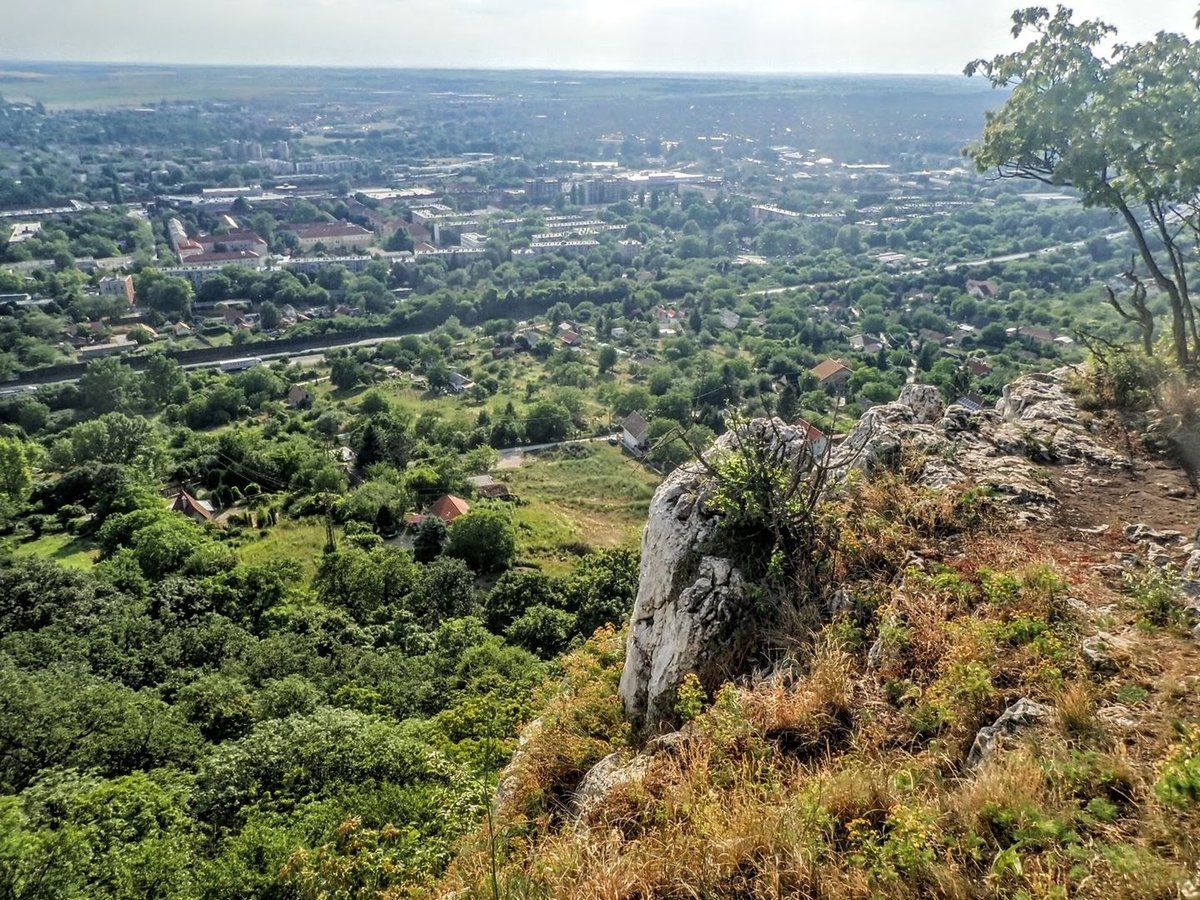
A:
[991,694]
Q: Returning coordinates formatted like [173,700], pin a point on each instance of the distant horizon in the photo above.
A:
[771,37]
[348,67]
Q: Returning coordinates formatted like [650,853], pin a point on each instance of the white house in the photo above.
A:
[635,433]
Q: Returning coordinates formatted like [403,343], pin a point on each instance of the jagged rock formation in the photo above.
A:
[1005,649]
[611,773]
[691,597]
[688,597]
[1021,716]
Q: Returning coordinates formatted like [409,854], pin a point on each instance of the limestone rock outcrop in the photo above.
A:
[691,604]
[613,772]
[689,596]
[1021,716]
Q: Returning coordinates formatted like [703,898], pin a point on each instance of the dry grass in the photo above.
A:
[883,520]
[843,775]
[1077,712]
[812,715]
[581,723]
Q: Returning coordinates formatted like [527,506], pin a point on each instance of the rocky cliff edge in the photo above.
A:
[691,595]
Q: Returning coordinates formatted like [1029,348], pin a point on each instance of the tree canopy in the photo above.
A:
[1122,128]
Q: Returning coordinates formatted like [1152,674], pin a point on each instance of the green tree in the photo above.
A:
[113,438]
[346,372]
[601,589]
[374,403]
[429,539]
[301,756]
[606,358]
[400,240]
[172,297]
[542,630]
[165,546]
[365,501]
[109,384]
[849,240]
[385,522]
[16,477]
[76,835]
[370,447]
[444,589]
[269,316]
[365,582]
[547,422]
[1122,129]
[219,705]
[215,289]
[484,539]
[61,718]
[513,593]
[163,381]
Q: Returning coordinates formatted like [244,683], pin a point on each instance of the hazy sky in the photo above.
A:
[678,35]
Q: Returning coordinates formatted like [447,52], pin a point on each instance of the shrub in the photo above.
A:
[1178,784]
[1126,381]
[1154,595]
[690,698]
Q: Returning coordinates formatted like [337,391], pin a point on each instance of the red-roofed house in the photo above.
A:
[978,367]
[448,508]
[668,316]
[230,257]
[1041,335]
[199,511]
[418,232]
[186,247]
[982,290]
[818,441]
[832,375]
[232,241]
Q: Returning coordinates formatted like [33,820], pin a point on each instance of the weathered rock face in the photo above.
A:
[610,774]
[691,599]
[1035,421]
[689,595]
[1021,716]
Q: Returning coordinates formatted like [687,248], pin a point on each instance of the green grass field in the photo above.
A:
[598,501]
[301,541]
[65,549]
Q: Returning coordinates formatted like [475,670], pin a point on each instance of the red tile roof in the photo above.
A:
[189,505]
[448,508]
[232,237]
[812,433]
[223,256]
[826,370]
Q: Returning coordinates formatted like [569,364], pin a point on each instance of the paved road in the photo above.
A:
[314,355]
[511,457]
[311,356]
[945,267]
[1045,251]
